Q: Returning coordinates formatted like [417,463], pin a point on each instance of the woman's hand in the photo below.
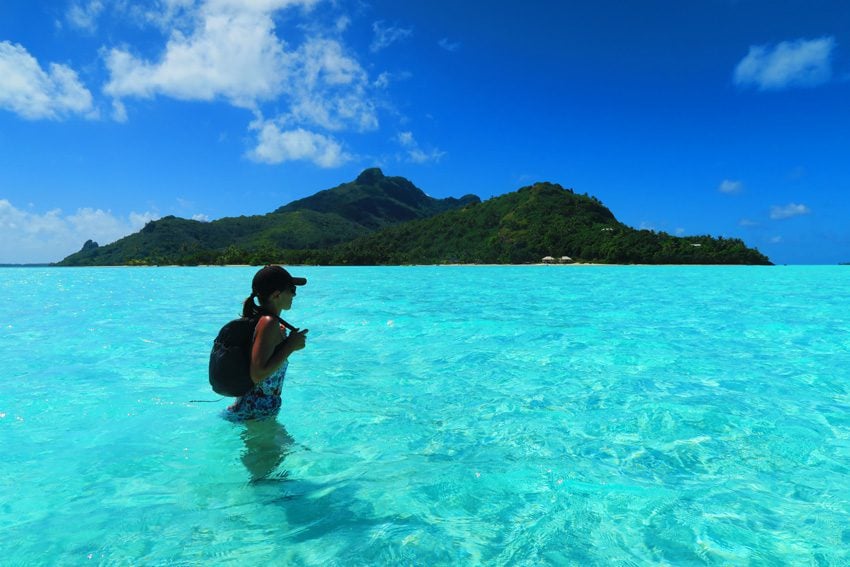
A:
[297,340]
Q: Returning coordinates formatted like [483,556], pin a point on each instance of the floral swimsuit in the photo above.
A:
[261,401]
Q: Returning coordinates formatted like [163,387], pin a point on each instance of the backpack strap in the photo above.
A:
[260,313]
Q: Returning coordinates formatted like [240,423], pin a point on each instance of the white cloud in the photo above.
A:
[342,23]
[730,187]
[448,45]
[406,139]
[49,237]
[747,223]
[329,88]
[258,5]
[385,78]
[387,35]
[201,217]
[83,15]
[119,111]
[277,146]
[162,14]
[800,63]
[421,156]
[788,211]
[34,93]
[168,13]
[413,152]
[231,52]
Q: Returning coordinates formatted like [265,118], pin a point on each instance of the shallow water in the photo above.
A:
[439,415]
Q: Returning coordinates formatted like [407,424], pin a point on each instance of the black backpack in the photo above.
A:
[230,358]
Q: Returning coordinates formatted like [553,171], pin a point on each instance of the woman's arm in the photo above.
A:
[270,348]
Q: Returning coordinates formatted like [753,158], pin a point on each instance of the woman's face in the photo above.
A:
[283,299]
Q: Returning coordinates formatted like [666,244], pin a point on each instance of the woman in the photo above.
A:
[274,289]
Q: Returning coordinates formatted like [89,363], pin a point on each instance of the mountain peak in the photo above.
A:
[374,200]
[370,176]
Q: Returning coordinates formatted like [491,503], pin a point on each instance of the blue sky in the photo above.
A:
[721,117]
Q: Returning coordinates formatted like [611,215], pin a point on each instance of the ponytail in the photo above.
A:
[249,308]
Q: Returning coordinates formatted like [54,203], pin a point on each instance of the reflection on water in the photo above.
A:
[267,443]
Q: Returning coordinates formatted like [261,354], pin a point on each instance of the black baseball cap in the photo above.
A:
[273,278]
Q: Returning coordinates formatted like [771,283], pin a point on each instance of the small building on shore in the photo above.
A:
[553,260]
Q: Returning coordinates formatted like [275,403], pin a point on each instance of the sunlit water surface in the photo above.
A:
[439,415]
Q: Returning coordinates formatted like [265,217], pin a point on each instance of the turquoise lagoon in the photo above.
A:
[564,415]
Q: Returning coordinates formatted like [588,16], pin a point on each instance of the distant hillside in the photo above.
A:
[375,201]
[387,220]
[327,218]
[524,226]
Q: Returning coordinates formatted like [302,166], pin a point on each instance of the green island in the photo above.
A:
[382,220]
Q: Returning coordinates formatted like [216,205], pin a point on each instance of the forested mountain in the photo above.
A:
[387,220]
[329,217]
[524,226]
[375,201]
